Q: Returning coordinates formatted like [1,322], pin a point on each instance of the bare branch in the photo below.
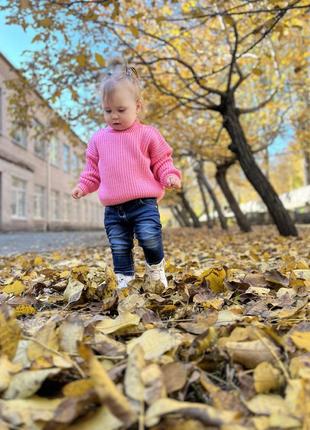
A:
[241,111]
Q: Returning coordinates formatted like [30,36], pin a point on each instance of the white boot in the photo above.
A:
[122,280]
[156,272]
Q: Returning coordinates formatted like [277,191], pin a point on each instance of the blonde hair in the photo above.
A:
[118,71]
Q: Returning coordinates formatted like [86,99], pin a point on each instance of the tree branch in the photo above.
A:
[241,111]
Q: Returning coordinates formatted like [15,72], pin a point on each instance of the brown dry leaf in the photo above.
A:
[276,279]
[9,331]
[267,404]
[70,333]
[134,387]
[99,419]
[175,376]
[251,353]
[107,391]
[300,366]
[267,378]
[177,423]
[73,291]
[26,413]
[153,382]
[206,414]
[7,368]
[44,343]
[201,323]
[297,398]
[124,320]
[155,342]
[70,409]
[106,345]
[226,317]
[26,383]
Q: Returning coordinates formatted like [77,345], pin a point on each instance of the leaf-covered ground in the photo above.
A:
[226,346]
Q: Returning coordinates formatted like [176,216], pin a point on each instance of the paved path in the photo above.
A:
[19,242]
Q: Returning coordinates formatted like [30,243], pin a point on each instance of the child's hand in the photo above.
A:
[173,182]
[77,193]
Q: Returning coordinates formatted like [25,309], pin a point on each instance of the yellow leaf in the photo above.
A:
[266,404]
[24,310]
[17,288]
[134,30]
[100,60]
[155,342]
[36,38]
[108,392]
[267,378]
[110,325]
[257,72]
[46,22]
[47,342]
[38,260]
[81,59]
[24,4]
[77,388]
[301,339]
[228,19]
[9,332]
[215,278]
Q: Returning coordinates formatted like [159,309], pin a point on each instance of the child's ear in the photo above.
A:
[139,105]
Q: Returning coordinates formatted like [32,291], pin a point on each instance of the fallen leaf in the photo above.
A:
[251,353]
[124,320]
[26,383]
[267,378]
[155,342]
[204,413]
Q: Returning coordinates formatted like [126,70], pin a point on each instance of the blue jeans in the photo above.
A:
[139,218]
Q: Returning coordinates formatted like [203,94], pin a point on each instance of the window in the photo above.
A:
[55,205]
[18,198]
[19,135]
[75,164]
[39,202]
[1,110]
[67,207]
[39,142]
[54,156]
[66,158]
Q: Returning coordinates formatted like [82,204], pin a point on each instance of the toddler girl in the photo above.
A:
[131,165]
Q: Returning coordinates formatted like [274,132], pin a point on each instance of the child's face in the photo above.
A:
[120,110]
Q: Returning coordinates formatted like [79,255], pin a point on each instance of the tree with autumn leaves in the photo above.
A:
[239,65]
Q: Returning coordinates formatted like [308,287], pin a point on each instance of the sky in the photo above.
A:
[14,40]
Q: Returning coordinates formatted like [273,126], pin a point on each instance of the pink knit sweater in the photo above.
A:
[127,164]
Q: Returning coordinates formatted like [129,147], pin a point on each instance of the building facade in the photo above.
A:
[37,175]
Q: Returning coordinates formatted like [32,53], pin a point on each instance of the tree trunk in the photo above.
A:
[216,203]
[221,179]
[177,216]
[205,203]
[189,209]
[307,167]
[183,216]
[242,150]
